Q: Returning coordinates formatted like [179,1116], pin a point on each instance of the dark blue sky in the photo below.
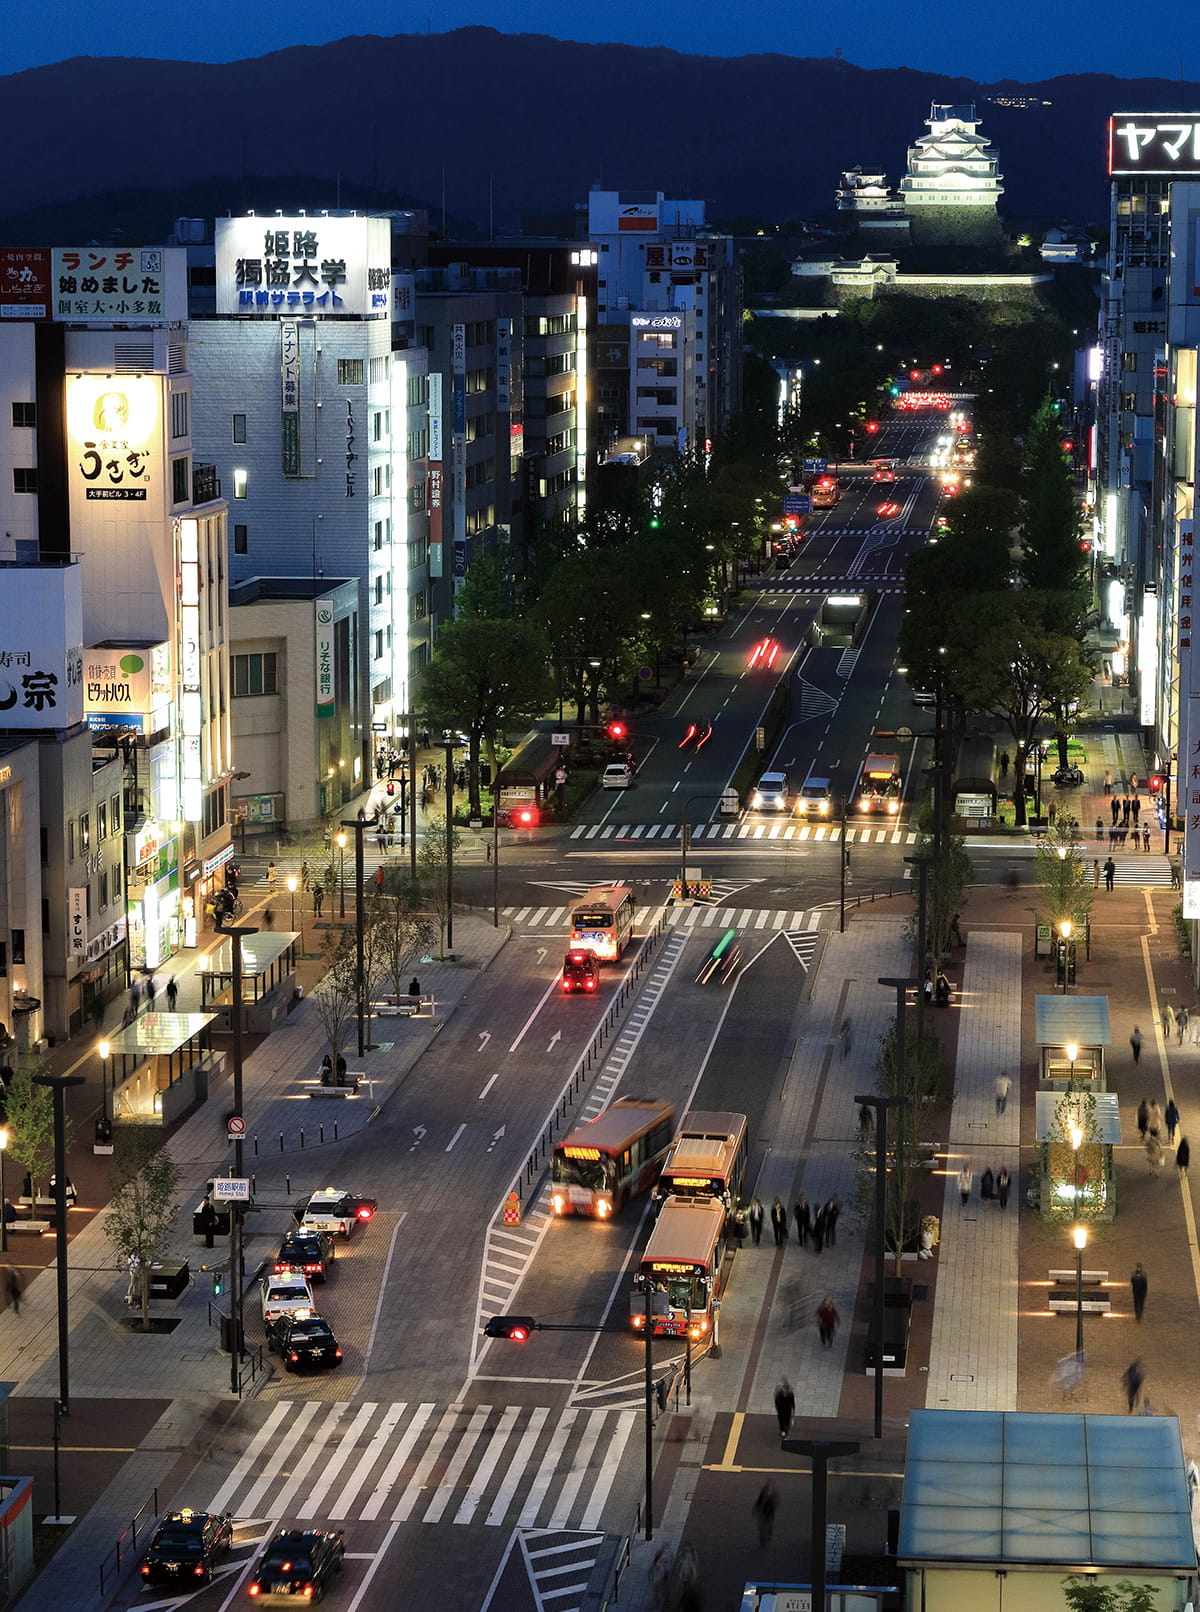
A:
[1023,39]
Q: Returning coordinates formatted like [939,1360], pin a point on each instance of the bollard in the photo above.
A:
[302,1141]
[256,1147]
[322,1136]
[281,1141]
[254,1186]
[335,1126]
[288,1180]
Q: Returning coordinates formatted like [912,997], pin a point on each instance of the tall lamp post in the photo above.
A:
[293,884]
[359,934]
[1066,951]
[1080,1236]
[448,747]
[3,1199]
[236,936]
[58,1084]
[341,845]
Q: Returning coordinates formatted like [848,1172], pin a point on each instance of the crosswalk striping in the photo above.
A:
[747,829]
[427,1463]
[695,917]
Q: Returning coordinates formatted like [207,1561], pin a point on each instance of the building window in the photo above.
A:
[378,534]
[85,831]
[350,371]
[181,481]
[179,428]
[24,481]
[70,839]
[102,824]
[114,813]
[377,425]
[379,645]
[239,428]
[240,478]
[253,674]
[24,414]
[104,889]
[240,545]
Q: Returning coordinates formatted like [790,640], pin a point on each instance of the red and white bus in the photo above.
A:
[602,921]
[682,1270]
[708,1159]
[612,1158]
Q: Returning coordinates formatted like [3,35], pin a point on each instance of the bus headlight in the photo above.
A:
[603,1208]
[639,1322]
[557,1203]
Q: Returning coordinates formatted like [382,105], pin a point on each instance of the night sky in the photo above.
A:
[1017,39]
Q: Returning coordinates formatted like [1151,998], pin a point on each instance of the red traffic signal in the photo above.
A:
[872,426]
[937,369]
[616,731]
[516,1328]
[527,817]
[1155,784]
[391,788]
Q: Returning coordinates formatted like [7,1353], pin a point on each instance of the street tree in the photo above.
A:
[142,1210]
[433,890]
[30,1110]
[486,675]
[1067,888]
[1051,524]
[918,1078]
[591,611]
[335,996]
[1004,661]
[1086,1592]
[398,933]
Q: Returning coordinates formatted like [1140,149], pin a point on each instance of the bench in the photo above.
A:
[1093,1306]
[37,1227]
[350,1089]
[1090,1278]
[403,1007]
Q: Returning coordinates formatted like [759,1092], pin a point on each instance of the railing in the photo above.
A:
[253,1362]
[112,1561]
[206,484]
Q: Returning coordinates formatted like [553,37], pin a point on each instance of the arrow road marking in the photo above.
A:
[484,1037]
[419,1133]
[497,1136]
[557,1036]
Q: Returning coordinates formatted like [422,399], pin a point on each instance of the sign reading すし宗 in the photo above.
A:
[323,621]
[310,265]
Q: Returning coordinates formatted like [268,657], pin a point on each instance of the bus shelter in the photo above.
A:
[1071,1034]
[1076,1133]
[268,980]
[160,1066]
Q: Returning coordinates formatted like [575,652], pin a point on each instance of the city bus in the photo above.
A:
[612,1158]
[682,1267]
[879,787]
[602,921]
[707,1159]
[825,491]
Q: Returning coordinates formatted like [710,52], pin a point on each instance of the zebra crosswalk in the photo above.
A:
[747,919]
[747,829]
[496,1465]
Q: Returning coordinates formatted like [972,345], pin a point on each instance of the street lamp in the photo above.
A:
[358,825]
[58,1085]
[341,845]
[3,1199]
[236,1274]
[1080,1235]
[1065,951]
[293,884]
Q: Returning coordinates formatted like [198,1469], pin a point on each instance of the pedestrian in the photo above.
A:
[1132,1379]
[956,934]
[756,1221]
[827,1321]
[785,1407]
[803,1218]
[866,1123]
[1168,1021]
[1004,760]
[1138,1285]
[1154,1155]
[1002,1088]
[1110,873]
[965,1178]
[660,1577]
[764,1512]
[844,1037]
[1053,812]
[818,1230]
[271,875]
[1002,1186]
[318,898]
[1095,873]
[15,1289]
[1115,808]
[1146,838]
[269,917]
[208,1220]
[779,1223]
[135,997]
[172,994]
[987,1186]
[1194,1020]
[1183,1157]
[1143,1116]
[1136,808]
[1171,1118]
[1108,783]
[830,1214]
[414,986]
[133,1293]
[1133,782]
[1135,1041]
[1125,812]
[1154,1119]
[150,990]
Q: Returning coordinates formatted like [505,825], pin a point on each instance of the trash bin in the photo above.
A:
[729,804]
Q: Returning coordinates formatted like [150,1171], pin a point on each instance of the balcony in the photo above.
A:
[206,484]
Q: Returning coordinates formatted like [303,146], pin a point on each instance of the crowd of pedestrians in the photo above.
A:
[817,1226]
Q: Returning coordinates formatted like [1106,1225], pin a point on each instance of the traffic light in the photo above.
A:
[527,817]
[218,1284]
[391,788]
[1155,783]
[655,523]
[937,369]
[617,732]
[872,427]
[516,1328]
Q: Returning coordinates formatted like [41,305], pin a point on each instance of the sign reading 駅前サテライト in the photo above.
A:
[41,650]
[141,285]
[1158,143]
[323,622]
[310,265]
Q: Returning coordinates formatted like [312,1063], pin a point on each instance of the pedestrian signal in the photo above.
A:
[391,788]
[218,1284]
[1155,784]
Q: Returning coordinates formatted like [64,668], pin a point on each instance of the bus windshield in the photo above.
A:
[584,1167]
[684,1289]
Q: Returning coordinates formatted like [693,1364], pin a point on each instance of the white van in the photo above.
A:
[771,793]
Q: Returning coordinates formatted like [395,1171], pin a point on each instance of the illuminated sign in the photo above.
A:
[116,688]
[656,321]
[674,1267]
[289,394]
[1154,143]
[76,923]
[25,282]
[113,422]
[701,1181]
[323,658]
[132,285]
[190,706]
[580,1152]
[41,650]
[306,265]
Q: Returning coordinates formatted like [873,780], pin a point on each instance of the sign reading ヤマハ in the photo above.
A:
[1154,143]
[309,265]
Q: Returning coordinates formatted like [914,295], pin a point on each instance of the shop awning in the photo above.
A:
[1061,1020]
[1105,1116]
[258,953]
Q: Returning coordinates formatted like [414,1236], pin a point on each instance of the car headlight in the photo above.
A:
[824,808]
